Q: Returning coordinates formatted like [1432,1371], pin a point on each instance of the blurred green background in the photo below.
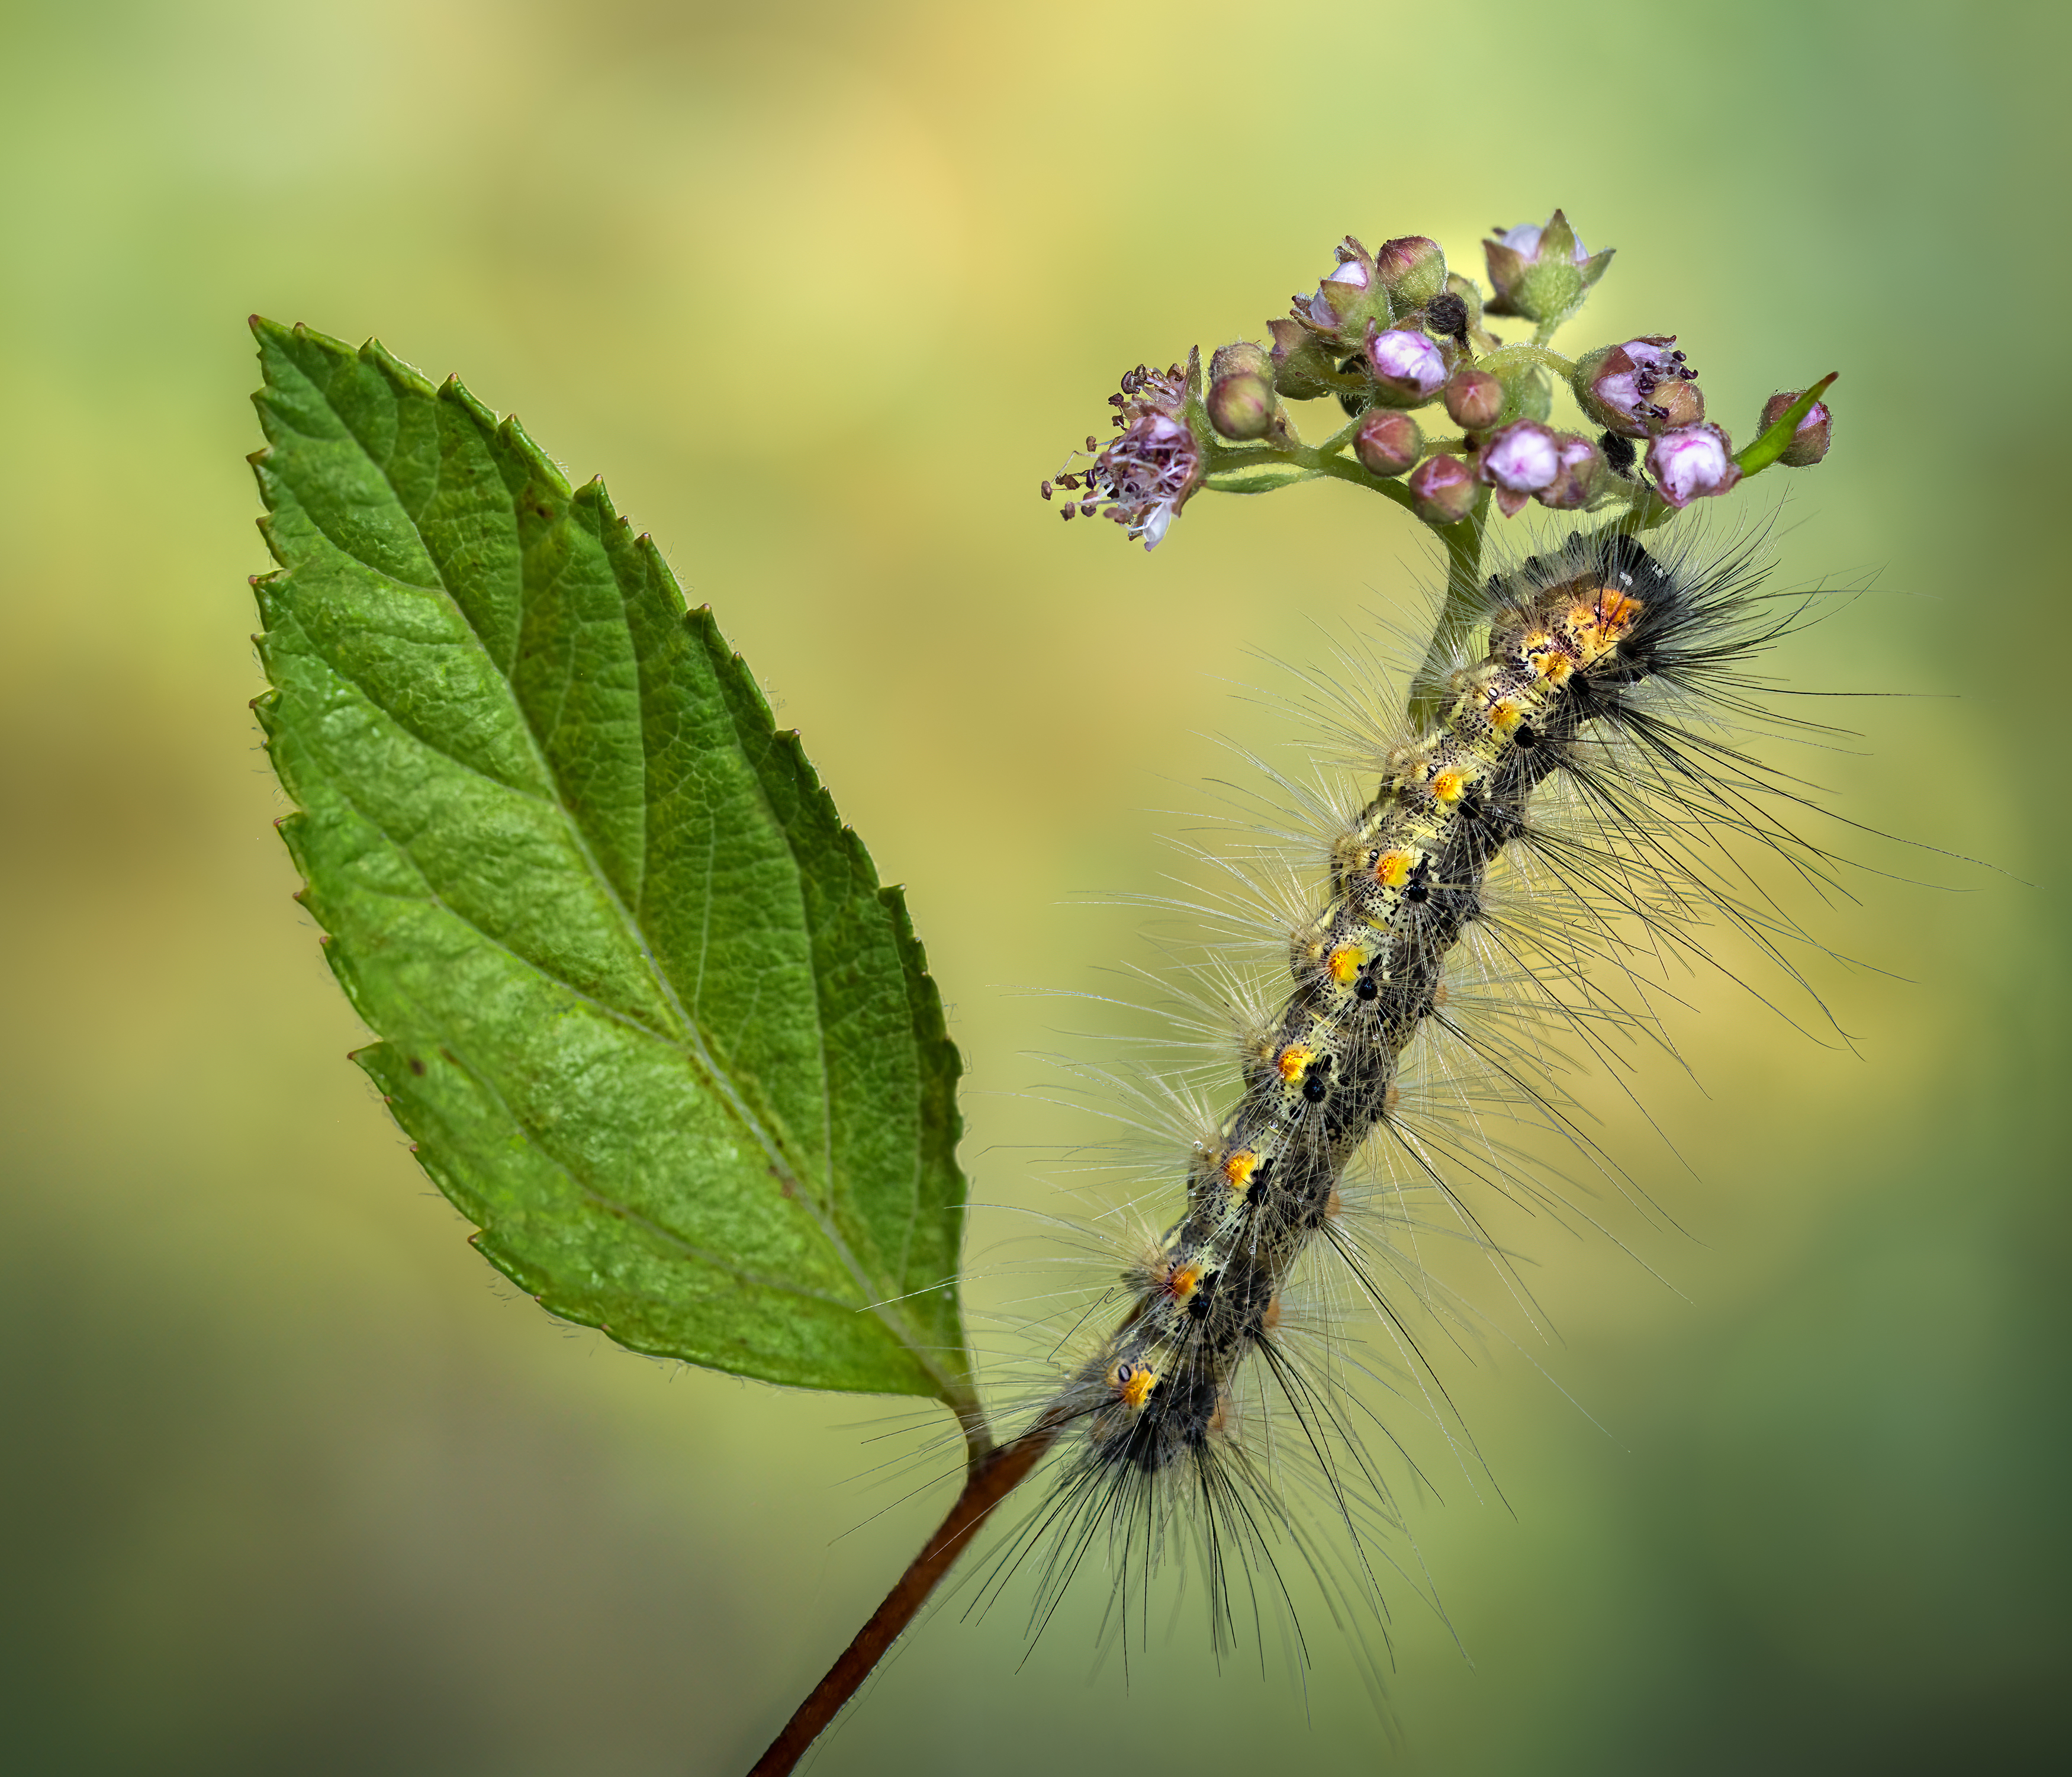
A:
[291,1482]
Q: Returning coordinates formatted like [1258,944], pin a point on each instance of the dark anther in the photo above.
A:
[1677,355]
[1447,315]
[1618,452]
[1365,988]
[1070,511]
[1047,490]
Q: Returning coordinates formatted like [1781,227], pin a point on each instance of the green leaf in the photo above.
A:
[1777,440]
[645,1011]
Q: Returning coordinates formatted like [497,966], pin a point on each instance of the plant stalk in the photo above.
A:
[993,1475]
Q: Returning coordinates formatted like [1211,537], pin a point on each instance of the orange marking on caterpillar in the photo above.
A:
[1451,784]
[1505,714]
[1392,869]
[1293,1061]
[1133,1384]
[1346,961]
[1181,1281]
[1597,625]
[1238,1169]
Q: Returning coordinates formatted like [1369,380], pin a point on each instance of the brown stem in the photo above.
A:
[993,1476]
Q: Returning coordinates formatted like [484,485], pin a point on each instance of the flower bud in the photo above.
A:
[1582,472]
[1640,387]
[1242,406]
[1240,358]
[1349,295]
[1412,270]
[1407,367]
[1388,442]
[1519,460]
[1474,398]
[1691,462]
[1542,273]
[1444,488]
[1809,437]
[1302,364]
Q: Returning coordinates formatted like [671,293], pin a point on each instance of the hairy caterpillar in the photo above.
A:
[1579,806]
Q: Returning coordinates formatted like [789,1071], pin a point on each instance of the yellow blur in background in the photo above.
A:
[292,1483]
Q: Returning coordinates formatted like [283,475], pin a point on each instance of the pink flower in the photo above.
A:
[1691,463]
[1640,387]
[1407,367]
[1519,459]
[1147,474]
[1143,478]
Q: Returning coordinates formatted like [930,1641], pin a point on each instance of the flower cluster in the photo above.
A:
[1387,333]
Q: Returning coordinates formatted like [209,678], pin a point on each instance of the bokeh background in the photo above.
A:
[290,1482]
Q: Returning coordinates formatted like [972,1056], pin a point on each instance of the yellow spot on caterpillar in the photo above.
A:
[1551,662]
[1392,869]
[1133,1384]
[1238,1169]
[1346,962]
[1598,624]
[1506,714]
[1181,1281]
[1294,1061]
[1450,784]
